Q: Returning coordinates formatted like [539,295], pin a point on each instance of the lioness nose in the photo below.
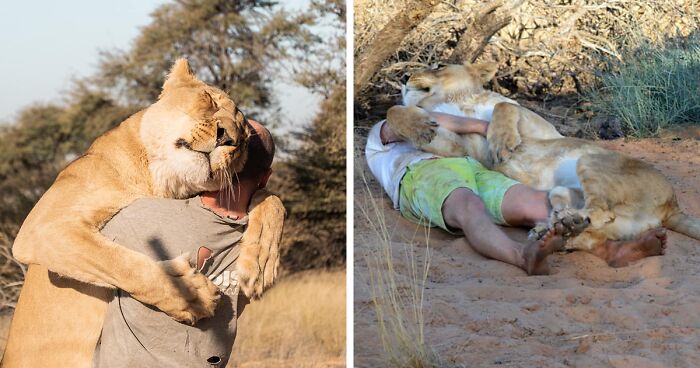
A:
[222,138]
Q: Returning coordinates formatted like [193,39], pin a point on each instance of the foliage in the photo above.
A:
[312,183]
[652,87]
[229,44]
[324,68]
[311,180]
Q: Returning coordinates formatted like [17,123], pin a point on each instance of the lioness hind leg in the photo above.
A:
[563,201]
[562,197]
[568,222]
[51,309]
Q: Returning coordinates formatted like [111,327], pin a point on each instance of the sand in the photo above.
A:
[480,312]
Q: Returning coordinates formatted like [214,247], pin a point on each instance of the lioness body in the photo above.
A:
[621,196]
[183,144]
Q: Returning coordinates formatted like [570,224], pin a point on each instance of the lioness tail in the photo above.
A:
[684,224]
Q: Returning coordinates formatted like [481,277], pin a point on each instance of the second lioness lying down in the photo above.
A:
[622,197]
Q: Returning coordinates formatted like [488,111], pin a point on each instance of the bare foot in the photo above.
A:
[651,243]
[536,252]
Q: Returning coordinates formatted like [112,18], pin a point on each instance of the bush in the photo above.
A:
[311,183]
[652,87]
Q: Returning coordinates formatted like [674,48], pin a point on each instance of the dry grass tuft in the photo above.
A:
[398,295]
[543,47]
[298,323]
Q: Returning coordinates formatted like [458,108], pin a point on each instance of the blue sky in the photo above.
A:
[43,44]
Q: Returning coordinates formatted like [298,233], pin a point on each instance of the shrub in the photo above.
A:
[652,87]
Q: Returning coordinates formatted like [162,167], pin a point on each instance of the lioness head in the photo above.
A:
[195,137]
[446,83]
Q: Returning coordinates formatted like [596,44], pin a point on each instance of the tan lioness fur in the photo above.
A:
[621,196]
[189,141]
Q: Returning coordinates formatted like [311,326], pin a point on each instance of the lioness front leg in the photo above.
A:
[172,286]
[412,124]
[415,126]
[72,246]
[256,267]
[503,135]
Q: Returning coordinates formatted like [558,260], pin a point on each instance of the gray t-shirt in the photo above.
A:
[139,335]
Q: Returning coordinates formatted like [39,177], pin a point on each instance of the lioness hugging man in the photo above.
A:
[192,140]
[602,201]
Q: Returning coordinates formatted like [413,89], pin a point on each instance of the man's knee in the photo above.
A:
[459,204]
[523,205]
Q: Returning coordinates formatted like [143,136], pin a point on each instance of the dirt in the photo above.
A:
[481,312]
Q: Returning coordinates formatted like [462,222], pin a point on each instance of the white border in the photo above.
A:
[349,162]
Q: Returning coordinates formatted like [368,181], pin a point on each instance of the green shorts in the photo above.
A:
[427,184]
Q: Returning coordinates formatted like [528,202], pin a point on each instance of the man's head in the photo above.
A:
[261,151]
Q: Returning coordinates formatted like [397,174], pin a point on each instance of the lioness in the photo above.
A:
[621,197]
[191,140]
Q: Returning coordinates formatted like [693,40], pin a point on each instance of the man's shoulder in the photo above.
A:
[149,209]
[374,138]
[161,204]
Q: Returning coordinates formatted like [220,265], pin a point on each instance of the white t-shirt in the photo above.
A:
[388,162]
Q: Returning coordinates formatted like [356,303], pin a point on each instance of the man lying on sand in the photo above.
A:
[459,194]
[209,227]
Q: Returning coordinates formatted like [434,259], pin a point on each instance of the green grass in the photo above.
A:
[652,87]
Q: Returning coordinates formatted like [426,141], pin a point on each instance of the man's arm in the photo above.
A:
[460,124]
[454,123]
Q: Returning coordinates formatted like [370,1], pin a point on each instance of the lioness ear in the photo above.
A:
[180,75]
[205,104]
[484,71]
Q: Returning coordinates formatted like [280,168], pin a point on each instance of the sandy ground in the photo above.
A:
[481,312]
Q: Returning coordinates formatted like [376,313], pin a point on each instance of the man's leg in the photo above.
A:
[524,206]
[464,210]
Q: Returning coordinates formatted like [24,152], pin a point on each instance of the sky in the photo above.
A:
[44,44]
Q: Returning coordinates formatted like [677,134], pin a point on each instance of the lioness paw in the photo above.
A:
[503,146]
[569,222]
[186,295]
[537,232]
[412,124]
[248,272]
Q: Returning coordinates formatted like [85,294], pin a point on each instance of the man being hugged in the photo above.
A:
[460,195]
[207,229]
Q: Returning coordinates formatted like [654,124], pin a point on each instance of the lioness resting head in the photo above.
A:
[621,197]
[192,139]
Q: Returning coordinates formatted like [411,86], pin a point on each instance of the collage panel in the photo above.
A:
[173,184]
[525,184]
[521,179]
